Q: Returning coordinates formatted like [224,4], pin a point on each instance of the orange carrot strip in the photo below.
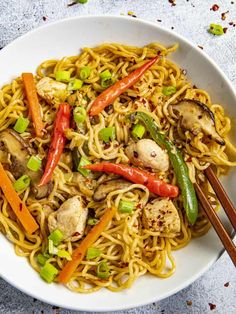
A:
[34,106]
[19,208]
[80,252]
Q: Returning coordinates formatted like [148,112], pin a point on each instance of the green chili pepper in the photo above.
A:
[180,168]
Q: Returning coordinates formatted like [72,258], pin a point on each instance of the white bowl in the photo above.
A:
[66,37]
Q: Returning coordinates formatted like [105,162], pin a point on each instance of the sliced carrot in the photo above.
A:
[80,252]
[34,106]
[19,208]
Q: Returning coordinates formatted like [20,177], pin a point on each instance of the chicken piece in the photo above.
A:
[146,153]
[52,91]
[197,117]
[109,186]
[161,215]
[70,219]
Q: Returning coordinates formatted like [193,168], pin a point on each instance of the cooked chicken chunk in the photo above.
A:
[146,153]
[70,219]
[161,215]
[51,90]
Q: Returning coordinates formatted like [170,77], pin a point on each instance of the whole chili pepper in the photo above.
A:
[110,94]
[180,168]
[61,123]
[138,176]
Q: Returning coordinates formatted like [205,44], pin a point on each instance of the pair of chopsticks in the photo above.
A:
[212,215]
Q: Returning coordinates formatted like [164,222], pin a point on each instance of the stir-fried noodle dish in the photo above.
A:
[99,154]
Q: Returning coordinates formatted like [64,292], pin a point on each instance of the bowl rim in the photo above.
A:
[193,278]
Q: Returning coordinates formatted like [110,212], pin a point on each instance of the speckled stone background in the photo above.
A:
[191,19]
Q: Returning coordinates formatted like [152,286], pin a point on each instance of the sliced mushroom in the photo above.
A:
[70,219]
[197,117]
[146,153]
[20,151]
[109,186]
[52,91]
[160,215]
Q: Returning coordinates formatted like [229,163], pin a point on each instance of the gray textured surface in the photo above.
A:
[191,19]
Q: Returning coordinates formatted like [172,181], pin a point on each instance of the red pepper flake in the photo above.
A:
[21,207]
[172,2]
[226,284]
[232,23]
[215,7]
[225,29]
[189,303]
[200,47]
[44,18]
[212,306]
[223,15]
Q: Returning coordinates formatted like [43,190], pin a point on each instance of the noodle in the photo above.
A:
[130,250]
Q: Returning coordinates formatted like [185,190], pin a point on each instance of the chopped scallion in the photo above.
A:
[51,248]
[126,206]
[84,73]
[75,84]
[83,162]
[106,82]
[216,29]
[105,75]
[138,131]
[79,114]
[107,134]
[62,76]
[103,270]
[41,259]
[92,252]
[64,254]
[48,272]
[82,1]
[21,124]
[22,183]
[56,237]
[168,90]
[34,163]
[92,221]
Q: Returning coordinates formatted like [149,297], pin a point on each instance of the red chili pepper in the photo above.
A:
[138,176]
[61,123]
[111,93]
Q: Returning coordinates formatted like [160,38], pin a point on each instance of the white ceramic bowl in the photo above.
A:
[66,38]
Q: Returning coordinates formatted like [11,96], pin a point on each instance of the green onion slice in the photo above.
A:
[168,90]
[62,76]
[107,134]
[34,163]
[126,206]
[83,162]
[216,29]
[56,237]
[93,252]
[51,248]
[79,114]
[82,1]
[105,75]
[22,183]
[64,254]
[48,272]
[75,84]
[41,259]
[138,131]
[21,124]
[84,73]
[103,270]
[92,221]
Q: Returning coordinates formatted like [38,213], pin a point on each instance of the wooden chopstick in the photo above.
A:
[222,196]
[216,223]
